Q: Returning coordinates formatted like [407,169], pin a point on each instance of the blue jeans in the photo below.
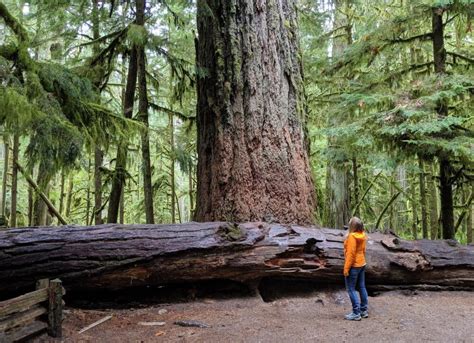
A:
[356,280]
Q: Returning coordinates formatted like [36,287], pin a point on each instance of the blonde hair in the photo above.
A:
[355,224]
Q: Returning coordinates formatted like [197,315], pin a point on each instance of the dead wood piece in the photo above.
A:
[192,323]
[100,321]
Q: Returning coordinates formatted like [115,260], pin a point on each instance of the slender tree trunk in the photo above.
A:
[469,218]
[355,173]
[423,202]
[434,225]
[98,153]
[70,188]
[121,160]
[337,171]
[446,188]
[191,197]
[178,208]
[88,192]
[122,206]
[98,161]
[62,194]
[14,195]
[6,167]
[414,209]
[40,210]
[143,115]
[253,162]
[172,171]
[30,200]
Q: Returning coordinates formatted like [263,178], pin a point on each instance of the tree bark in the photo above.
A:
[143,115]
[172,170]
[118,256]
[6,167]
[40,209]
[423,202]
[469,218]
[119,177]
[252,156]
[446,188]
[70,188]
[434,225]
[98,153]
[14,195]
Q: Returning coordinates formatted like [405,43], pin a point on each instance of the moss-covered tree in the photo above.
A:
[253,157]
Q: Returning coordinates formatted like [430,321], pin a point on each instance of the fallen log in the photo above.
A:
[115,256]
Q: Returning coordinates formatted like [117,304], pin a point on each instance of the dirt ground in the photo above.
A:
[394,317]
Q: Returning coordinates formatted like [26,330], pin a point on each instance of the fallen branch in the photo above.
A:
[100,321]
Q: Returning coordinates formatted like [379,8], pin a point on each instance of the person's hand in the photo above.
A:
[346,274]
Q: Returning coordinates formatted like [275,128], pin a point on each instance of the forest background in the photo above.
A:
[389,137]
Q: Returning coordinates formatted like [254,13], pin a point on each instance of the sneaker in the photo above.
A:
[364,314]
[352,316]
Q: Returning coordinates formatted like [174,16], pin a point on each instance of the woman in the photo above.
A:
[354,269]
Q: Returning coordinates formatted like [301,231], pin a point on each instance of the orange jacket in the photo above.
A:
[354,251]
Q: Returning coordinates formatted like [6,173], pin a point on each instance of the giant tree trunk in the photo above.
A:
[123,256]
[253,161]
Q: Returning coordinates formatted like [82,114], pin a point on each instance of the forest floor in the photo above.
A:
[318,317]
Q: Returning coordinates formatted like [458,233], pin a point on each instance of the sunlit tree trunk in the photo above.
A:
[253,162]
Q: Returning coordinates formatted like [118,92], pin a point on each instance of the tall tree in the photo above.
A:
[119,177]
[143,116]
[252,155]
[98,153]
[337,173]
[445,168]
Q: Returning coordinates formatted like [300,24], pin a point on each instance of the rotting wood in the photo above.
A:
[115,256]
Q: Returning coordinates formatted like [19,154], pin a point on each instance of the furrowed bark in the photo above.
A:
[252,156]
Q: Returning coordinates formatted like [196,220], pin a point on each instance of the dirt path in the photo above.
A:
[394,317]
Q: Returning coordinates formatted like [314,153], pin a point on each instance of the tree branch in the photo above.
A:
[13,24]
[462,57]
[424,36]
